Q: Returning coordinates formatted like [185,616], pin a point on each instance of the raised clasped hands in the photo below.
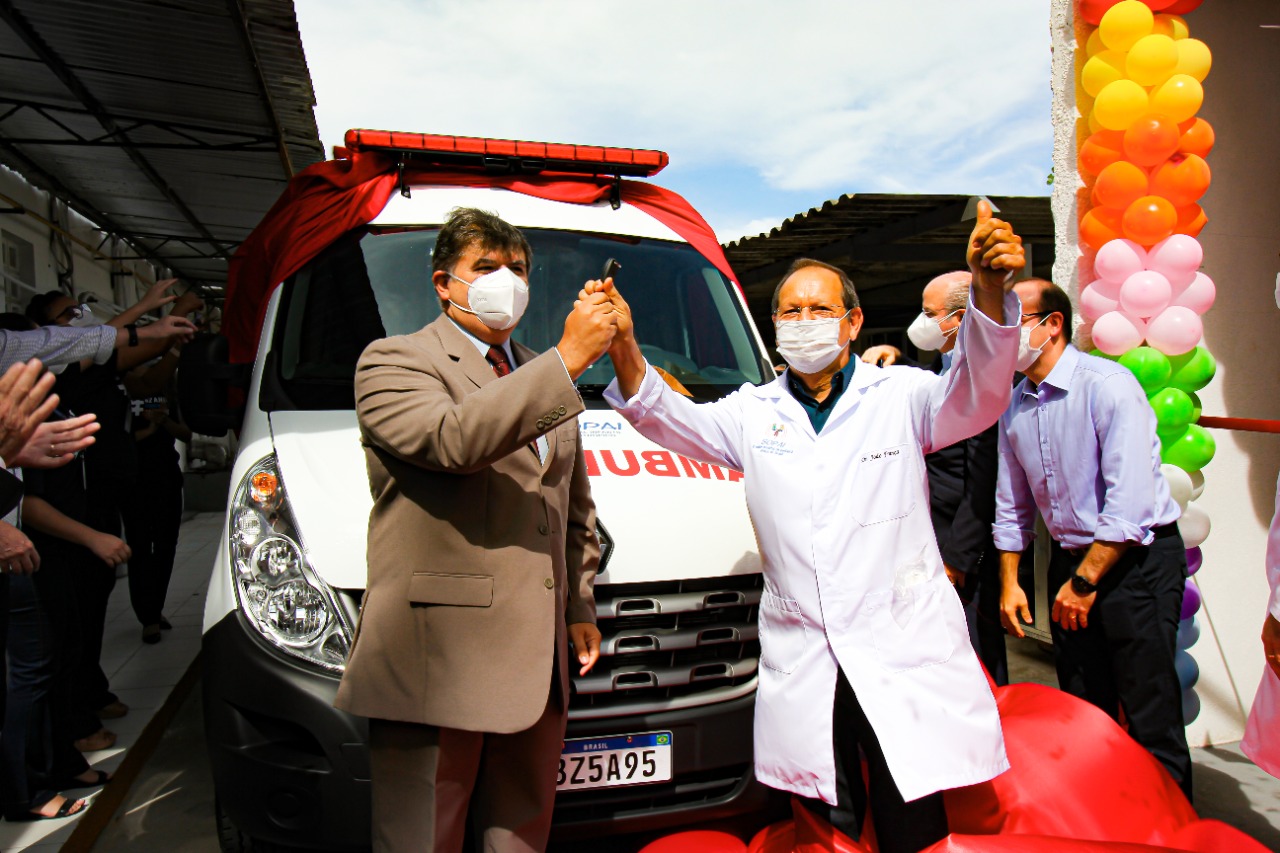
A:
[588,332]
[995,253]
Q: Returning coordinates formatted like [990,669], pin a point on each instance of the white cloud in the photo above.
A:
[820,97]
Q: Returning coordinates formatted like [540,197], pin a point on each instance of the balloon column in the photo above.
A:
[1142,159]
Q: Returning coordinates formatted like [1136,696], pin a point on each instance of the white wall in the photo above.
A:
[92,271]
[1240,244]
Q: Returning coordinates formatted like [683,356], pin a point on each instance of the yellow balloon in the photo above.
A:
[1194,58]
[1172,26]
[1125,23]
[1107,67]
[1121,103]
[1151,60]
[1094,45]
[1179,97]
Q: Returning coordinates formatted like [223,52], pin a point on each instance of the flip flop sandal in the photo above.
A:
[67,809]
[71,784]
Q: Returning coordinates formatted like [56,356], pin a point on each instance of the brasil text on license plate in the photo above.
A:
[611,761]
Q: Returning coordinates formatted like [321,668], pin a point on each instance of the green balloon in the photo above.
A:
[1100,354]
[1174,408]
[1150,366]
[1190,451]
[1196,407]
[1193,370]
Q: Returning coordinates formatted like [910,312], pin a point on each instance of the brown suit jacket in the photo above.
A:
[478,552]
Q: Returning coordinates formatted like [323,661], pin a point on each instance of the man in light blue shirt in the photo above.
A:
[1078,443]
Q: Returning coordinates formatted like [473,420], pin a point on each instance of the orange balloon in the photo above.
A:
[1182,179]
[1120,185]
[1100,226]
[1100,150]
[1191,220]
[1150,139]
[1149,220]
[1197,137]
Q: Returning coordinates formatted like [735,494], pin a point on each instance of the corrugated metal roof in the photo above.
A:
[173,126]
[891,245]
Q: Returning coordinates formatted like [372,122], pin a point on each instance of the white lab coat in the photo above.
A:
[852,574]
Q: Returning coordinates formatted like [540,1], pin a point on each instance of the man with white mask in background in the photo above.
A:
[1079,444]
[863,643]
[962,479]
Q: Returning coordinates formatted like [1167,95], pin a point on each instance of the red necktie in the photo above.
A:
[498,358]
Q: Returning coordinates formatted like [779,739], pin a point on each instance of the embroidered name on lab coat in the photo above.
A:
[880,455]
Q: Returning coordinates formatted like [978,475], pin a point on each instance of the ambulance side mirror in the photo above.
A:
[210,387]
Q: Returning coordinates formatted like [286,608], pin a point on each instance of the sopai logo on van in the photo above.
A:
[600,429]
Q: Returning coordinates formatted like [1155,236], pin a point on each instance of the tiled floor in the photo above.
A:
[141,675]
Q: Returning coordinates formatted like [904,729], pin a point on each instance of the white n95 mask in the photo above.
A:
[498,298]
[926,332]
[1027,354]
[809,345]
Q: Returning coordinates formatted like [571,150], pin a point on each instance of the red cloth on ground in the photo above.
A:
[326,200]
[1077,782]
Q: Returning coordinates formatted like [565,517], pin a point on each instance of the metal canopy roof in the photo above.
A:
[891,245]
[174,126]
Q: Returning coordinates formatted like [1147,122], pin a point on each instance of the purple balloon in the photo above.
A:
[1195,559]
[1190,600]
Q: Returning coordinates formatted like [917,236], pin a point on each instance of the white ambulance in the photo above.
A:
[679,582]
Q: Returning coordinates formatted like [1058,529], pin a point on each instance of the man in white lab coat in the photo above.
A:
[863,642]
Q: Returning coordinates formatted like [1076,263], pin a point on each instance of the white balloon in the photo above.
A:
[1180,486]
[1197,484]
[1194,525]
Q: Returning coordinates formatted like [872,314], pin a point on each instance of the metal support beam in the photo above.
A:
[238,13]
[34,173]
[22,27]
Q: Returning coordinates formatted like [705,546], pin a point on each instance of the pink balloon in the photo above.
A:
[1145,293]
[1176,258]
[1119,259]
[1094,301]
[1198,295]
[1116,332]
[1177,329]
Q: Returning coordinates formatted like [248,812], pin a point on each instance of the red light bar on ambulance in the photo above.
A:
[509,155]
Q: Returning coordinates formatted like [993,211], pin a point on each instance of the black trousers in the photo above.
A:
[980,596]
[901,827]
[1124,659]
[152,516]
[94,581]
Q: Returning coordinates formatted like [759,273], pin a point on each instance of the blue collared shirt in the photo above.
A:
[1082,448]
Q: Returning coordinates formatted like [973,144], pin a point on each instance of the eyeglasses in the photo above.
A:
[819,312]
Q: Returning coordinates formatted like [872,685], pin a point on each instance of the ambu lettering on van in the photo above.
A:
[657,463]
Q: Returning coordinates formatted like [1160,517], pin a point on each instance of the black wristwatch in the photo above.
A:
[1082,585]
[132,329]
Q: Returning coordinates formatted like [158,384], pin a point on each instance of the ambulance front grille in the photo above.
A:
[671,644]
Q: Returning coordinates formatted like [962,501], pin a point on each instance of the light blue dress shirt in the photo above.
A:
[1082,448]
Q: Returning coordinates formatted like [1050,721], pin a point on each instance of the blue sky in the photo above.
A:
[766,108]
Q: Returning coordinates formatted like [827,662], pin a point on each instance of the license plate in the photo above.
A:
[614,761]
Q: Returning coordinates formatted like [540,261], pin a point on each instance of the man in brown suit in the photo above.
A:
[482,554]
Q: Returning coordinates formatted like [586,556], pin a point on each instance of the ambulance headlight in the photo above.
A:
[279,593]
